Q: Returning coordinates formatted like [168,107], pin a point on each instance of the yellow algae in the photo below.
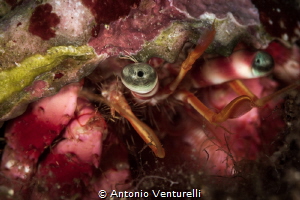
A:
[15,79]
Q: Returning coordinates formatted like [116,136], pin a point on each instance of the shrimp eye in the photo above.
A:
[139,77]
[262,63]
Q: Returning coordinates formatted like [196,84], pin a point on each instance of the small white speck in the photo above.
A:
[77,4]
[278,10]
[10,192]
[270,22]
[285,37]
[281,23]
[104,93]
[27,169]
[76,14]
[9,164]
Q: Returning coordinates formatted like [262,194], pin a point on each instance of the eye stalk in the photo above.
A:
[140,78]
[262,64]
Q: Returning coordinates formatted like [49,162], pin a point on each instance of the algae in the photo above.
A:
[15,79]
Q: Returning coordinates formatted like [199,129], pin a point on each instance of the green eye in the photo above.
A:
[139,77]
[262,64]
